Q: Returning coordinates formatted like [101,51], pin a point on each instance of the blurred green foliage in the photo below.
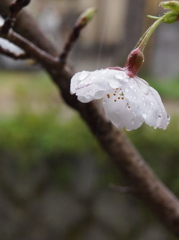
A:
[51,132]
[168,89]
[42,139]
[160,150]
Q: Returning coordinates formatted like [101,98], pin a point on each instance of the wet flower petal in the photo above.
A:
[93,85]
[127,102]
[8,45]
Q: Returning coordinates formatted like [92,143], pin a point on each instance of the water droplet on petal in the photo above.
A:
[98,94]
[113,83]
[168,119]
[122,77]
[145,90]
[119,76]
[132,122]
[134,114]
[144,115]
[126,89]
[83,75]
[131,86]
[158,122]
[151,104]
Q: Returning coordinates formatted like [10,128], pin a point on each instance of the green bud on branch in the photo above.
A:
[86,17]
[171,17]
[172,5]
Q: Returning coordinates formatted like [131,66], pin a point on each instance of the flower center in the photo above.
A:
[118,95]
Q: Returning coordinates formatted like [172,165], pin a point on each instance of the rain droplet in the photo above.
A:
[168,119]
[134,114]
[99,94]
[83,75]
[89,82]
[144,115]
[119,76]
[145,90]
[151,103]
[126,89]
[131,86]
[113,83]
[158,122]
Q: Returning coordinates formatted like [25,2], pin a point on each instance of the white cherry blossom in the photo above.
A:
[8,45]
[127,101]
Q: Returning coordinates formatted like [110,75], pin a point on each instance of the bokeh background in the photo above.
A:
[54,178]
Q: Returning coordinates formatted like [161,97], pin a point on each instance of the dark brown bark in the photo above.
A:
[141,178]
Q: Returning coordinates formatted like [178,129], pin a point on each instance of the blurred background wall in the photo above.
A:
[111,35]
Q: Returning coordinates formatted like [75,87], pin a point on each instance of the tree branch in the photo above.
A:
[14,8]
[81,22]
[141,178]
[31,49]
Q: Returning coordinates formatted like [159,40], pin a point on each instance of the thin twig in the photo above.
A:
[17,6]
[69,44]
[14,9]
[31,49]
[81,22]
